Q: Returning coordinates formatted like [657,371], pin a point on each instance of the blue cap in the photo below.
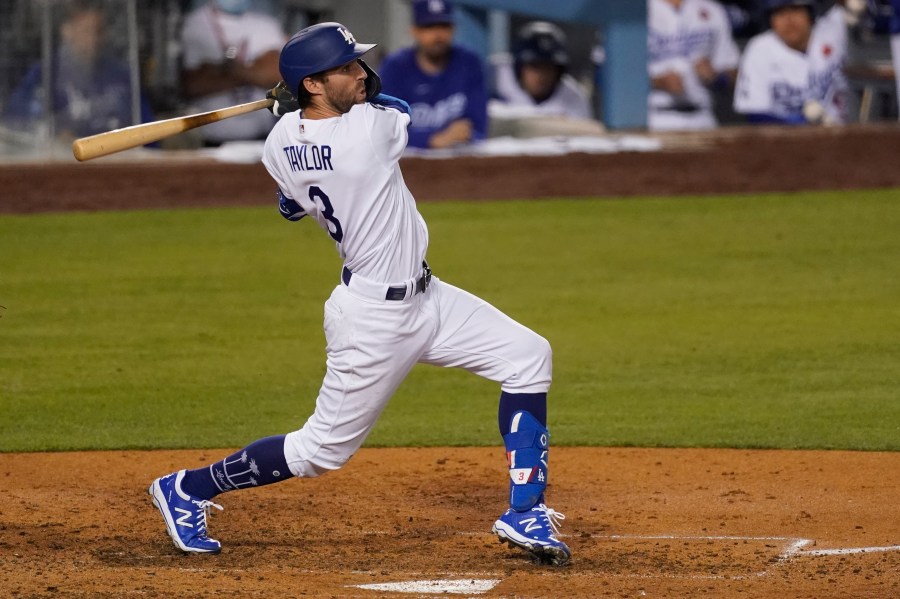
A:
[432,12]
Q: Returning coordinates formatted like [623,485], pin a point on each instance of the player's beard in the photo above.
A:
[437,53]
[343,99]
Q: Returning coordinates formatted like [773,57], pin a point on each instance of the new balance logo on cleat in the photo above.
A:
[530,524]
[183,521]
[185,516]
[534,531]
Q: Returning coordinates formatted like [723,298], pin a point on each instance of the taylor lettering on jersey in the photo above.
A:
[308,157]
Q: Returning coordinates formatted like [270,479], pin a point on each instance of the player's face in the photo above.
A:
[539,79]
[83,35]
[793,24]
[434,41]
[344,87]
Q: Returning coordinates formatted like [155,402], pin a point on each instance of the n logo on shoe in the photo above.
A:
[530,524]
[183,520]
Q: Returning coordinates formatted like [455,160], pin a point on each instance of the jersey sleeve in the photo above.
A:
[752,93]
[386,128]
[287,205]
[725,53]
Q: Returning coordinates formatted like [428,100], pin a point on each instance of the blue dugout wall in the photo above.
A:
[623,27]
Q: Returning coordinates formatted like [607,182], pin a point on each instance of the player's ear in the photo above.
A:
[312,85]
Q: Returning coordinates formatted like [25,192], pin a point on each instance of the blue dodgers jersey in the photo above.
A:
[437,100]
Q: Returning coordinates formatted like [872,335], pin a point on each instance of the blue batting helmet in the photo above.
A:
[316,49]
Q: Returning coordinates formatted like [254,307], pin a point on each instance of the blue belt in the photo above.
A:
[397,293]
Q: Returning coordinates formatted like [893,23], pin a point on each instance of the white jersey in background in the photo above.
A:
[207,36]
[677,39]
[567,100]
[777,80]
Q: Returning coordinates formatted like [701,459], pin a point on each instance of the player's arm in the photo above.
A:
[211,78]
[725,55]
[753,90]
[289,208]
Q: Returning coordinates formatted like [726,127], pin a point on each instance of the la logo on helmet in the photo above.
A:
[347,35]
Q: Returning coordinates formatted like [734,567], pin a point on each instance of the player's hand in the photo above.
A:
[458,132]
[285,101]
[373,81]
[669,82]
[705,71]
[815,114]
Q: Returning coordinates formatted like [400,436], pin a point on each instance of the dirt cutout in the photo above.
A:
[640,522]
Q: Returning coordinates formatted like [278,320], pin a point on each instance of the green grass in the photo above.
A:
[770,321]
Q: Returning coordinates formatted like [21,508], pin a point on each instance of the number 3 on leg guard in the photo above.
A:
[526,452]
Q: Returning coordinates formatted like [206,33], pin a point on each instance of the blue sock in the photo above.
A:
[260,463]
[510,403]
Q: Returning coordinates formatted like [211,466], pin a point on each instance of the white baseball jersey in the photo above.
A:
[344,172]
[207,36]
[677,39]
[568,99]
[777,80]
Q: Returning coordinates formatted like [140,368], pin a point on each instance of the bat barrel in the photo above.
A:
[117,140]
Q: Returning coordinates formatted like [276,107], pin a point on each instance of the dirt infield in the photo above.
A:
[742,160]
[640,522]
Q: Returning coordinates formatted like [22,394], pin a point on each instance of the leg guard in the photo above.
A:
[526,452]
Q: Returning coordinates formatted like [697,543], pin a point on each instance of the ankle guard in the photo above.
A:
[526,452]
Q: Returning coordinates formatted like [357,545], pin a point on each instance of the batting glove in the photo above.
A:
[285,101]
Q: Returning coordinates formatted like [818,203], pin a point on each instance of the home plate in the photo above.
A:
[461,587]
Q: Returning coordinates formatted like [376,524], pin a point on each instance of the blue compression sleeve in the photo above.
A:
[391,102]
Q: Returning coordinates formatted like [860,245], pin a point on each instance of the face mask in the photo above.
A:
[235,7]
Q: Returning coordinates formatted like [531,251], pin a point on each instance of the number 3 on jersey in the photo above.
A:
[327,210]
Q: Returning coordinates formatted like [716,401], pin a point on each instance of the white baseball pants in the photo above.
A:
[372,344]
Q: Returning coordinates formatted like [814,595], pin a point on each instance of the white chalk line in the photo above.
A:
[852,550]
[795,545]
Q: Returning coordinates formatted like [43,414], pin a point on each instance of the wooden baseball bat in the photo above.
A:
[117,140]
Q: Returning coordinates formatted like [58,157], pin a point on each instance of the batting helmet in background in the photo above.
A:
[541,42]
[317,49]
[773,5]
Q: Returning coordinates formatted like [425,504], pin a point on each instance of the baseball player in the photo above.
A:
[793,72]
[334,157]
[230,56]
[691,52]
[443,82]
[534,80]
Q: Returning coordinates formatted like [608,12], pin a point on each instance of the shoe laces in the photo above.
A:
[204,506]
[553,517]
